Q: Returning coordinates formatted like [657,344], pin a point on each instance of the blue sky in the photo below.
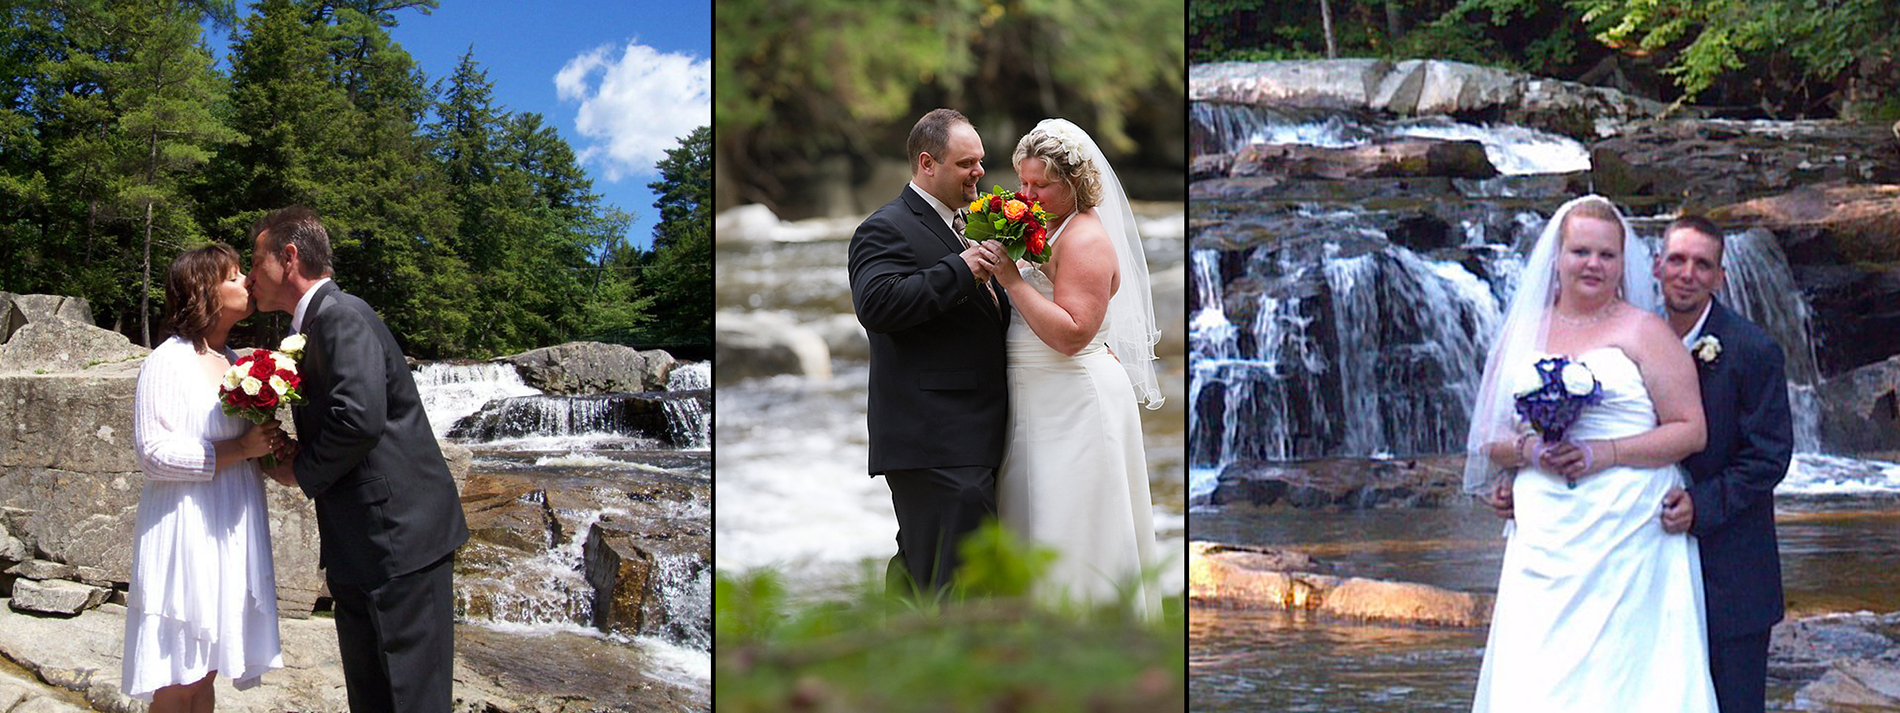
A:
[622,81]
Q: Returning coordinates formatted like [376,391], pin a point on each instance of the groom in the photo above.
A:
[1730,503]
[938,401]
[387,510]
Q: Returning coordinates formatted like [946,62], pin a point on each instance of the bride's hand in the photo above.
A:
[1576,459]
[1007,274]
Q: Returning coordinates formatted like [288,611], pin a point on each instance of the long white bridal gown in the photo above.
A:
[1075,475]
[1598,609]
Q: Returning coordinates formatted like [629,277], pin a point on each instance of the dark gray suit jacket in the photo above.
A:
[938,396]
[386,505]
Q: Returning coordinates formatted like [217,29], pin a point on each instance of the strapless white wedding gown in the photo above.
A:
[1075,476]
[1598,609]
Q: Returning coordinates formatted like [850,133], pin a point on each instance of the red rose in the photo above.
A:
[1035,243]
[290,377]
[246,359]
[237,398]
[996,204]
[262,369]
[266,399]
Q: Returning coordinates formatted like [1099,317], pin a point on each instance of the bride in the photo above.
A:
[1598,609]
[1081,346]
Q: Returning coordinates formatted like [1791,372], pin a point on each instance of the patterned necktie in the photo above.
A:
[956,224]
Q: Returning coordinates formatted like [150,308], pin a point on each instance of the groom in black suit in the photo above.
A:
[387,510]
[1730,503]
[938,402]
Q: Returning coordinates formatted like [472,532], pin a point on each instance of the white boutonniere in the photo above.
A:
[1707,349]
[292,346]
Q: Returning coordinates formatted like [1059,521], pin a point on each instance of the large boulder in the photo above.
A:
[56,596]
[645,581]
[593,368]
[70,482]
[17,311]
[1383,159]
[57,344]
[1861,408]
[757,344]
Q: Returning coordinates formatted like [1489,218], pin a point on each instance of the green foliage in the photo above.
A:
[680,273]
[987,650]
[802,82]
[477,235]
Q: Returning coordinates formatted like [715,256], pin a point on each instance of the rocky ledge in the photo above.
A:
[1244,577]
[1341,483]
[593,368]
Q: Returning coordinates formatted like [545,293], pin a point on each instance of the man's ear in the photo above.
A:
[293,262]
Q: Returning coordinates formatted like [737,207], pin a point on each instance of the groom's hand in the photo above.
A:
[1501,498]
[1678,512]
[978,258]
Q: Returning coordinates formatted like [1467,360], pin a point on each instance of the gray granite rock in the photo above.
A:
[62,345]
[593,368]
[56,596]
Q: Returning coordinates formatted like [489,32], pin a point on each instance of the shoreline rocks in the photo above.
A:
[1261,578]
[1342,483]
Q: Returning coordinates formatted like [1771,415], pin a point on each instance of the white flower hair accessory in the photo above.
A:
[1707,349]
[1069,142]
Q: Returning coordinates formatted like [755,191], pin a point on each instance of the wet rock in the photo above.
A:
[1856,309]
[1210,166]
[593,368]
[1712,162]
[1221,575]
[63,345]
[1408,157]
[631,569]
[55,596]
[760,344]
[1342,483]
[1842,661]
[630,414]
[1856,686]
[1861,409]
[522,523]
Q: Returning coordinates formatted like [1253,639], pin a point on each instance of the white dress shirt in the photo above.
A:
[296,319]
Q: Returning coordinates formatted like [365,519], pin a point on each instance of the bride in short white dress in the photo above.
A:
[203,595]
[1075,476]
[1598,608]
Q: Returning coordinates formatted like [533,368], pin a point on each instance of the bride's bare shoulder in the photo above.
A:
[1647,331]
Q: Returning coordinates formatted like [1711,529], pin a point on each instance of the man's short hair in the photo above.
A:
[299,226]
[1701,224]
[931,135]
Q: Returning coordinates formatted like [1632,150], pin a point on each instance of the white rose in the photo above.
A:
[251,385]
[233,377]
[1525,379]
[292,344]
[278,385]
[287,365]
[1578,380]
[1708,348]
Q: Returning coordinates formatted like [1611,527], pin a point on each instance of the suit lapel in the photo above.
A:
[927,215]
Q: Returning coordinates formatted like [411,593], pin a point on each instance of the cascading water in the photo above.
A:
[1380,352]
[687,421]
[1514,150]
[452,392]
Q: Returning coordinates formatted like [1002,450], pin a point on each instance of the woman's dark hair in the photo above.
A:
[191,290]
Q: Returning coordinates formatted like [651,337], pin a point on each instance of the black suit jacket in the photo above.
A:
[937,394]
[1751,439]
[386,504]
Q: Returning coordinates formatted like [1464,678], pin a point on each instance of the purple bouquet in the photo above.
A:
[1552,407]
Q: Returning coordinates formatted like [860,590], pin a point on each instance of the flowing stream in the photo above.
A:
[640,460]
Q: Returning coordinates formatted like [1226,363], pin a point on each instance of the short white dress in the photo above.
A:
[203,594]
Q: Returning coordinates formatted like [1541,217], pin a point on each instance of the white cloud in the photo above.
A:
[635,107]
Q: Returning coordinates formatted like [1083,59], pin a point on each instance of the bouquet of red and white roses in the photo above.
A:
[261,381]
[1020,224]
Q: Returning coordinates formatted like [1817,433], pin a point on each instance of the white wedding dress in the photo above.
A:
[204,589]
[1598,609]
[1075,475]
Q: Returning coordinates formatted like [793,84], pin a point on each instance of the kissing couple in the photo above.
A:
[1009,390]
[1641,571]
[203,595]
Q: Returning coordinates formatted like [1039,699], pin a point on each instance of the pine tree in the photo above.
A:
[681,274]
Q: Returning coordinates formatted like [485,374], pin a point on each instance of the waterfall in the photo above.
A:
[546,589]
[687,422]
[451,392]
[1380,352]
[689,377]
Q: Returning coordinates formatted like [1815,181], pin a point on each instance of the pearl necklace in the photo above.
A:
[1599,315]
